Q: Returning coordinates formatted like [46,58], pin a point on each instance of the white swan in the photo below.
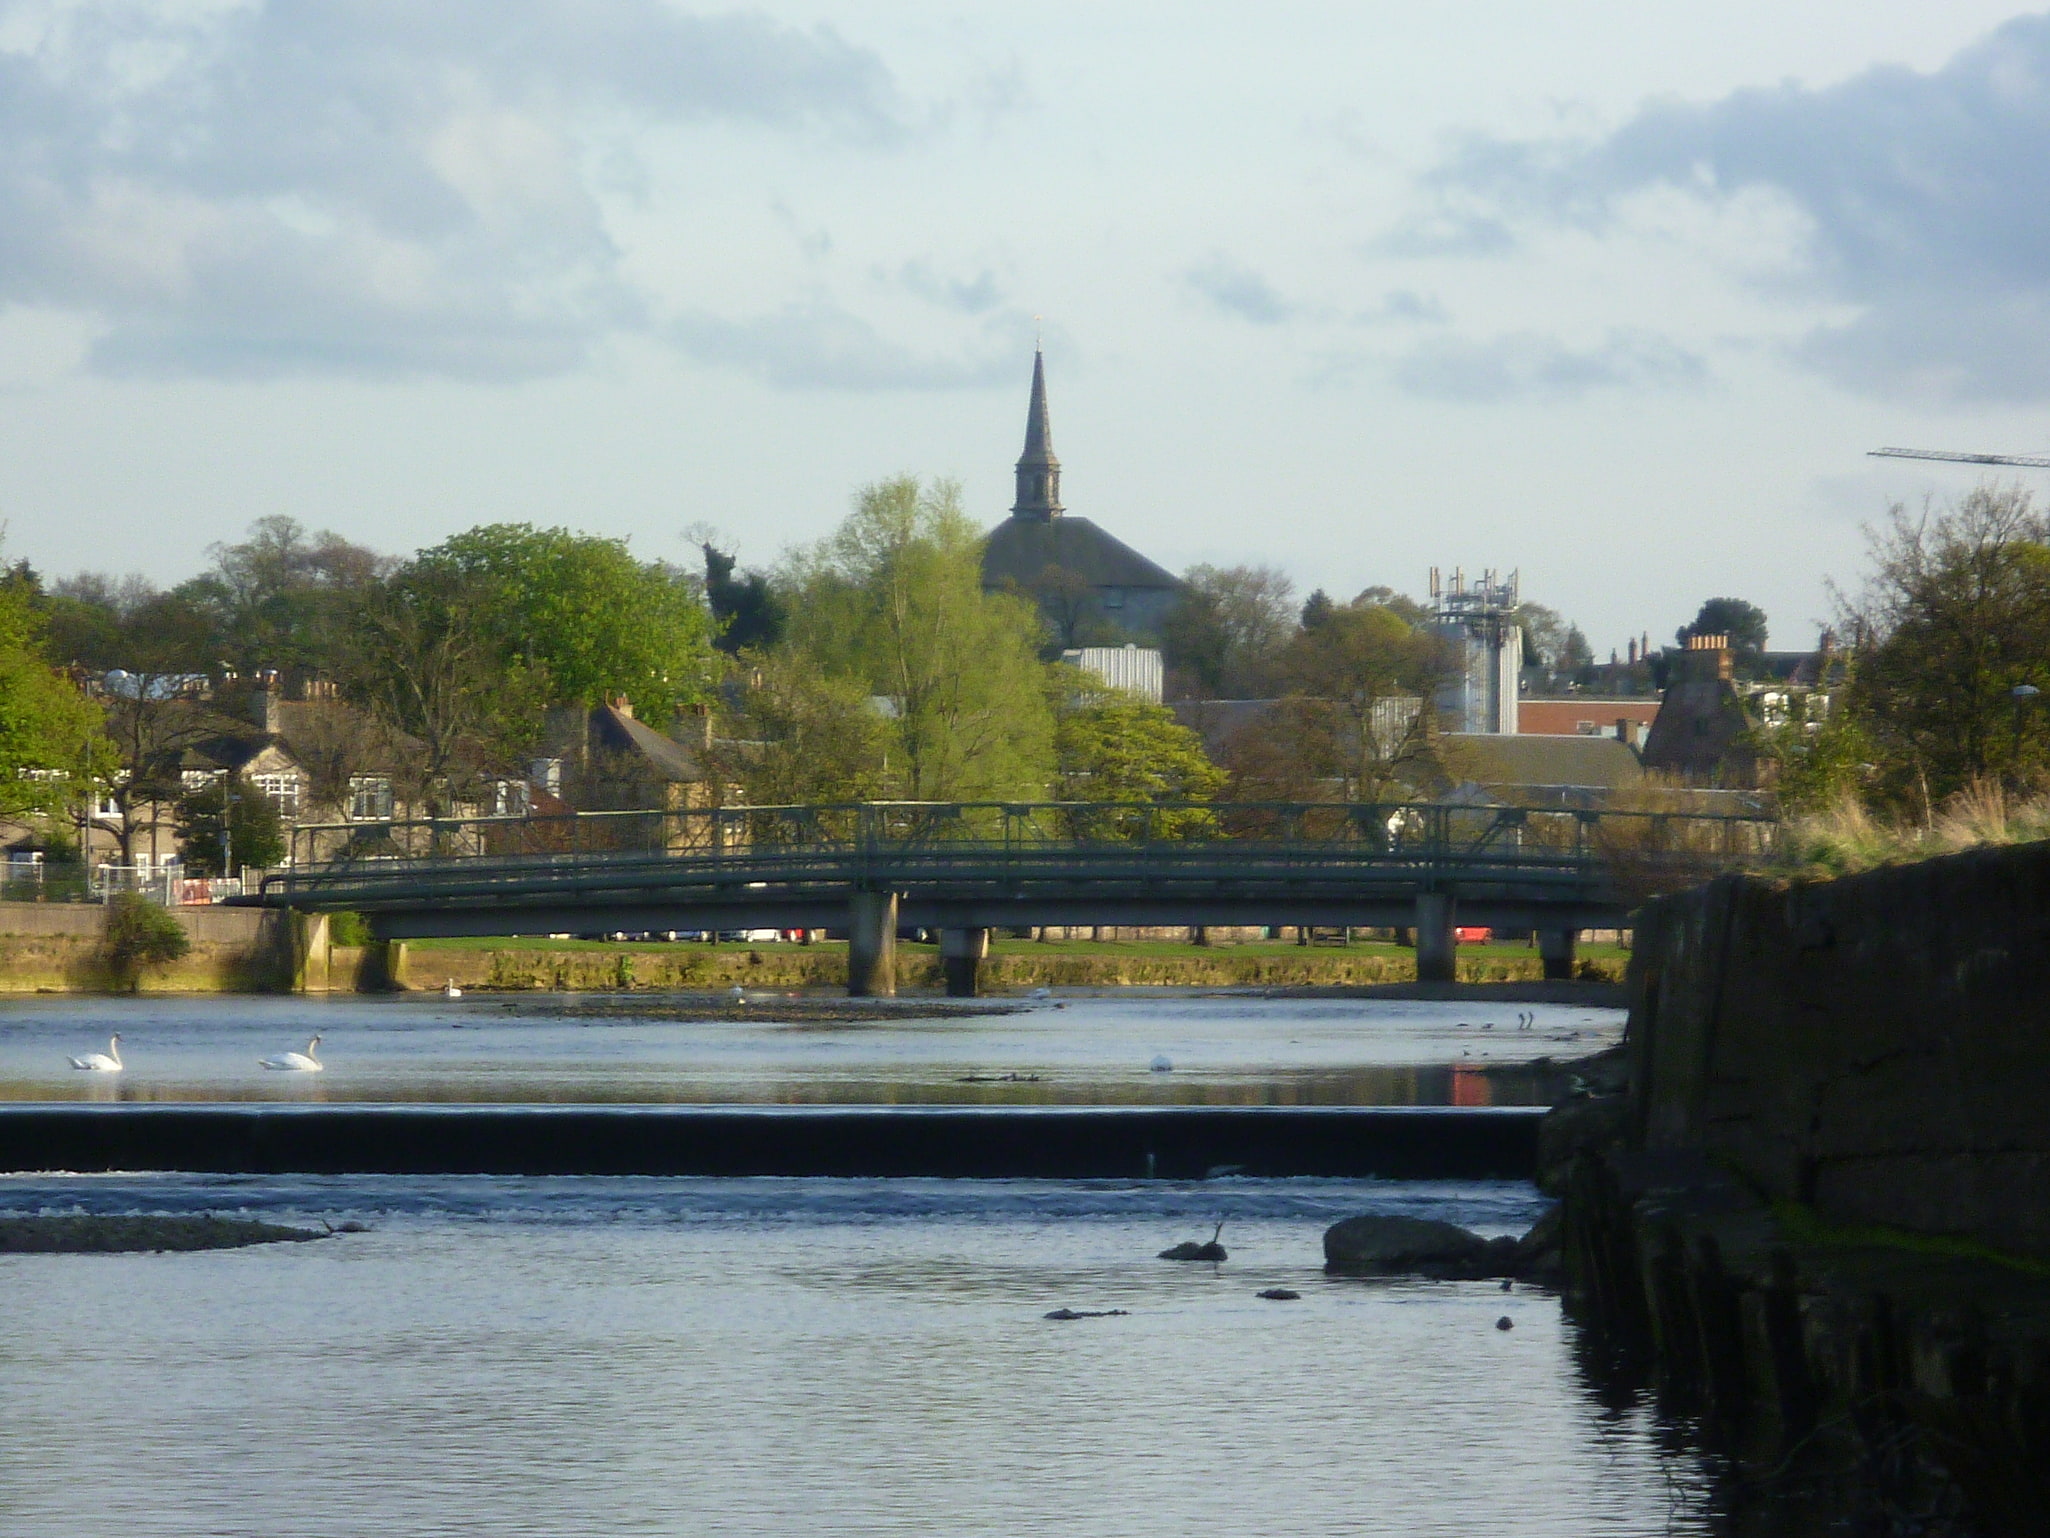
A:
[296,1062]
[450,990]
[108,1061]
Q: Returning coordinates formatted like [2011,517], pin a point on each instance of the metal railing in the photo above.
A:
[873,844]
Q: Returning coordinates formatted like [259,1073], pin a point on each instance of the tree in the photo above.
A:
[1743,623]
[1119,747]
[1401,605]
[1221,640]
[747,611]
[245,830]
[1317,608]
[279,599]
[893,602]
[139,934]
[429,669]
[52,746]
[154,647]
[1356,717]
[800,735]
[576,617]
[1954,618]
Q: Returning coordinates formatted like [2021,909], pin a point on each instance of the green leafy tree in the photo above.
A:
[228,806]
[1115,746]
[893,602]
[1222,639]
[1954,620]
[577,618]
[52,743]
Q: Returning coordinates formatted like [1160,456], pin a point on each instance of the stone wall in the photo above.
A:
[55,948]
[1876,1047]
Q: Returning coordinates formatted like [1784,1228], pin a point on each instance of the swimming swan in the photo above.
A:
[108,1061]
[450,990]
[296,1062]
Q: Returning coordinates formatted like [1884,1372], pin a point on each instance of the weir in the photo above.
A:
[1045,1142]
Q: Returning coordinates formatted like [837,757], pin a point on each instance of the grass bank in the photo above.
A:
[585,966]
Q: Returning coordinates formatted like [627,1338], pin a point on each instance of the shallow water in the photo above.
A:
[1078,1050]
[602,1356]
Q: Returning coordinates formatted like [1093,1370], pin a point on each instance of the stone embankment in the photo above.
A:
[56,948]
[1819,1219]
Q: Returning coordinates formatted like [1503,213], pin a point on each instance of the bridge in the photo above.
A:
[965,868]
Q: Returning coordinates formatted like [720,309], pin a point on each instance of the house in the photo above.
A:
[1588,715]
[1091,586]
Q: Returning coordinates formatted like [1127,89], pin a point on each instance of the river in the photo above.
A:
[627,1355]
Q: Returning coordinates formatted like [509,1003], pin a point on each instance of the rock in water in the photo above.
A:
[1087,1313]
[1385,1246]
[1189,1249]
[1278,1295]
[1505,1323]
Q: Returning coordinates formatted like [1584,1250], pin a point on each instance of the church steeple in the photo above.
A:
[1039,473]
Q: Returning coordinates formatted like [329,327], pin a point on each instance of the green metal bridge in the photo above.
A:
[965,868]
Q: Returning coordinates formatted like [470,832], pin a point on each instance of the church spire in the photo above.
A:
[1039,473]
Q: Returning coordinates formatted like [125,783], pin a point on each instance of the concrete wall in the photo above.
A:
[1877,1046]
[55,947]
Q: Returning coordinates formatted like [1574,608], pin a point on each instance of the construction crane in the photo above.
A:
[2029,461]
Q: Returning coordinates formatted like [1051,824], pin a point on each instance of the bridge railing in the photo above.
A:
[1641,852]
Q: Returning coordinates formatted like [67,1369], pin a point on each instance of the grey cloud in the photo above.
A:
[974,296]
[1404,306]
[1529,364]
[1928,198]
[375,186]
[1445,232]
[818,345]
[1239,291]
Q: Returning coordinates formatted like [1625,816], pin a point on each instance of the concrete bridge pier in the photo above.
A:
[962,952]
[872,945]
[1555,949]
[1436,944]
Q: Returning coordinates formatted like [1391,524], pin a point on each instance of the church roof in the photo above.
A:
[1021,549]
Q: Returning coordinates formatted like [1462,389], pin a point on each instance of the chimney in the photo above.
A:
[694,727]
[263,707]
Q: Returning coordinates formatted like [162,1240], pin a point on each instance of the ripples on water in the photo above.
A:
[598,1356]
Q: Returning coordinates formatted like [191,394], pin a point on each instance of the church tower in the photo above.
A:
[1039,473]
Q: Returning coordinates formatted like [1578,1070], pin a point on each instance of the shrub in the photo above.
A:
[347,928]
[139,934]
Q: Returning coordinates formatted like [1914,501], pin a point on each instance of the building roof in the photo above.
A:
[1021,549]
[1589,763]
[614,730]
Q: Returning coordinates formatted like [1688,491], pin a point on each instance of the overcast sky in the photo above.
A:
[1616,294]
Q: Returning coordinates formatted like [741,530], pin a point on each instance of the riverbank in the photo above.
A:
[1013,966]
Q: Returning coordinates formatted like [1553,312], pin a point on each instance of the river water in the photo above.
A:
[1086,1050]
[628,1355]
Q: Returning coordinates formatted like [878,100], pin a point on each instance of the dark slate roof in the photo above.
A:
[618,732]
[1038,424]
[1601,763]
[1020,550]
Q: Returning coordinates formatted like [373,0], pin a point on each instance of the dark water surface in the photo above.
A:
[1080,1050]
[626,1356]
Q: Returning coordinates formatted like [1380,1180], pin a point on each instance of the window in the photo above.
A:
[1113,598]
[198,779]
[509,799]
[282,792]
[370,798]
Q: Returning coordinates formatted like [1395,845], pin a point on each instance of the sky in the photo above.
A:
[1614,295]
